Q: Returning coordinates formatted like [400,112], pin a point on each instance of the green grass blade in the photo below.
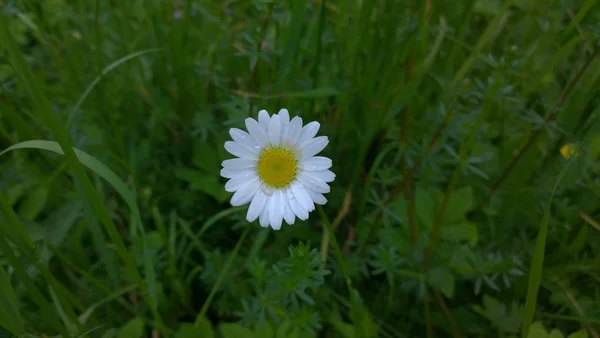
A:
[47,116]
[103,73]
[336,249]
[492,30]
[30,255]
[103,171]
[537,263]
[71,326]
[10,316]
[292,40]
[222,275]
[48,314]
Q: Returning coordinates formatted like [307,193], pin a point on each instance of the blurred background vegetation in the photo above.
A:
[464,136]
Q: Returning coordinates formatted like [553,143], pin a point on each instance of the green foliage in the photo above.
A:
[10,317]
[464,136]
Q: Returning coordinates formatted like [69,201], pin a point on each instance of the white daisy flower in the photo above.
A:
[277,171]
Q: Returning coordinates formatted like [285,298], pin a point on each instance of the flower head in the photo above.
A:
[276,169]
[569,150]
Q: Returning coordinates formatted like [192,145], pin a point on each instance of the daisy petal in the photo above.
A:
[274,130]
[313,146]
[312,182]
[293,131]
[256,206]
[316,163]
[284,117]
[263,119]
[237,150]
[296,207]
[263,219]
[276,210]
[245,193]
[302,197]
[231,173]
[309,131]
[325,175]
[288,214]
[317,197]
[244,139]
[257,132]
[239,163]
[239,181]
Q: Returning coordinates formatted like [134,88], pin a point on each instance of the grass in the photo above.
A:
[453,211]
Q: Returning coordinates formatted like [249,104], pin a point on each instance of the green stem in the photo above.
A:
[215,287]
[336,248]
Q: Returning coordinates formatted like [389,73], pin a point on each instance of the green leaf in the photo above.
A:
[457,232]
[264,330]
[133,329]
[537,330]
[34,203]
[537,263]
[15,192]
[207,183]
[205,158]
[425,207]
[362,319]
[347,330]
[292,40]
[459,204]
[556,334]
[441,278]
[205,327]
[234,330]
[10,317]
[579,334]
[187,330]
[492,309]
[120,186]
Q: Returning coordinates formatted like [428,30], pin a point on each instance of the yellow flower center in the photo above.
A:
[569,150]
[277,167]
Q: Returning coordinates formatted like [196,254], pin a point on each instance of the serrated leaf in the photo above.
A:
[264,330]
[493,309]
[459,204]
[205,326]
[234,330]
[457,232]
[10,317]
[188,330]
[537,330]
[133,329]
[347,330]
[441,278]
[579,334]
[425,207]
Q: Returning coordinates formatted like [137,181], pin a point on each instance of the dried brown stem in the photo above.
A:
[577,307]
[447,314]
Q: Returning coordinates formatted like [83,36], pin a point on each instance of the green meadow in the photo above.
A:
[464,135]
